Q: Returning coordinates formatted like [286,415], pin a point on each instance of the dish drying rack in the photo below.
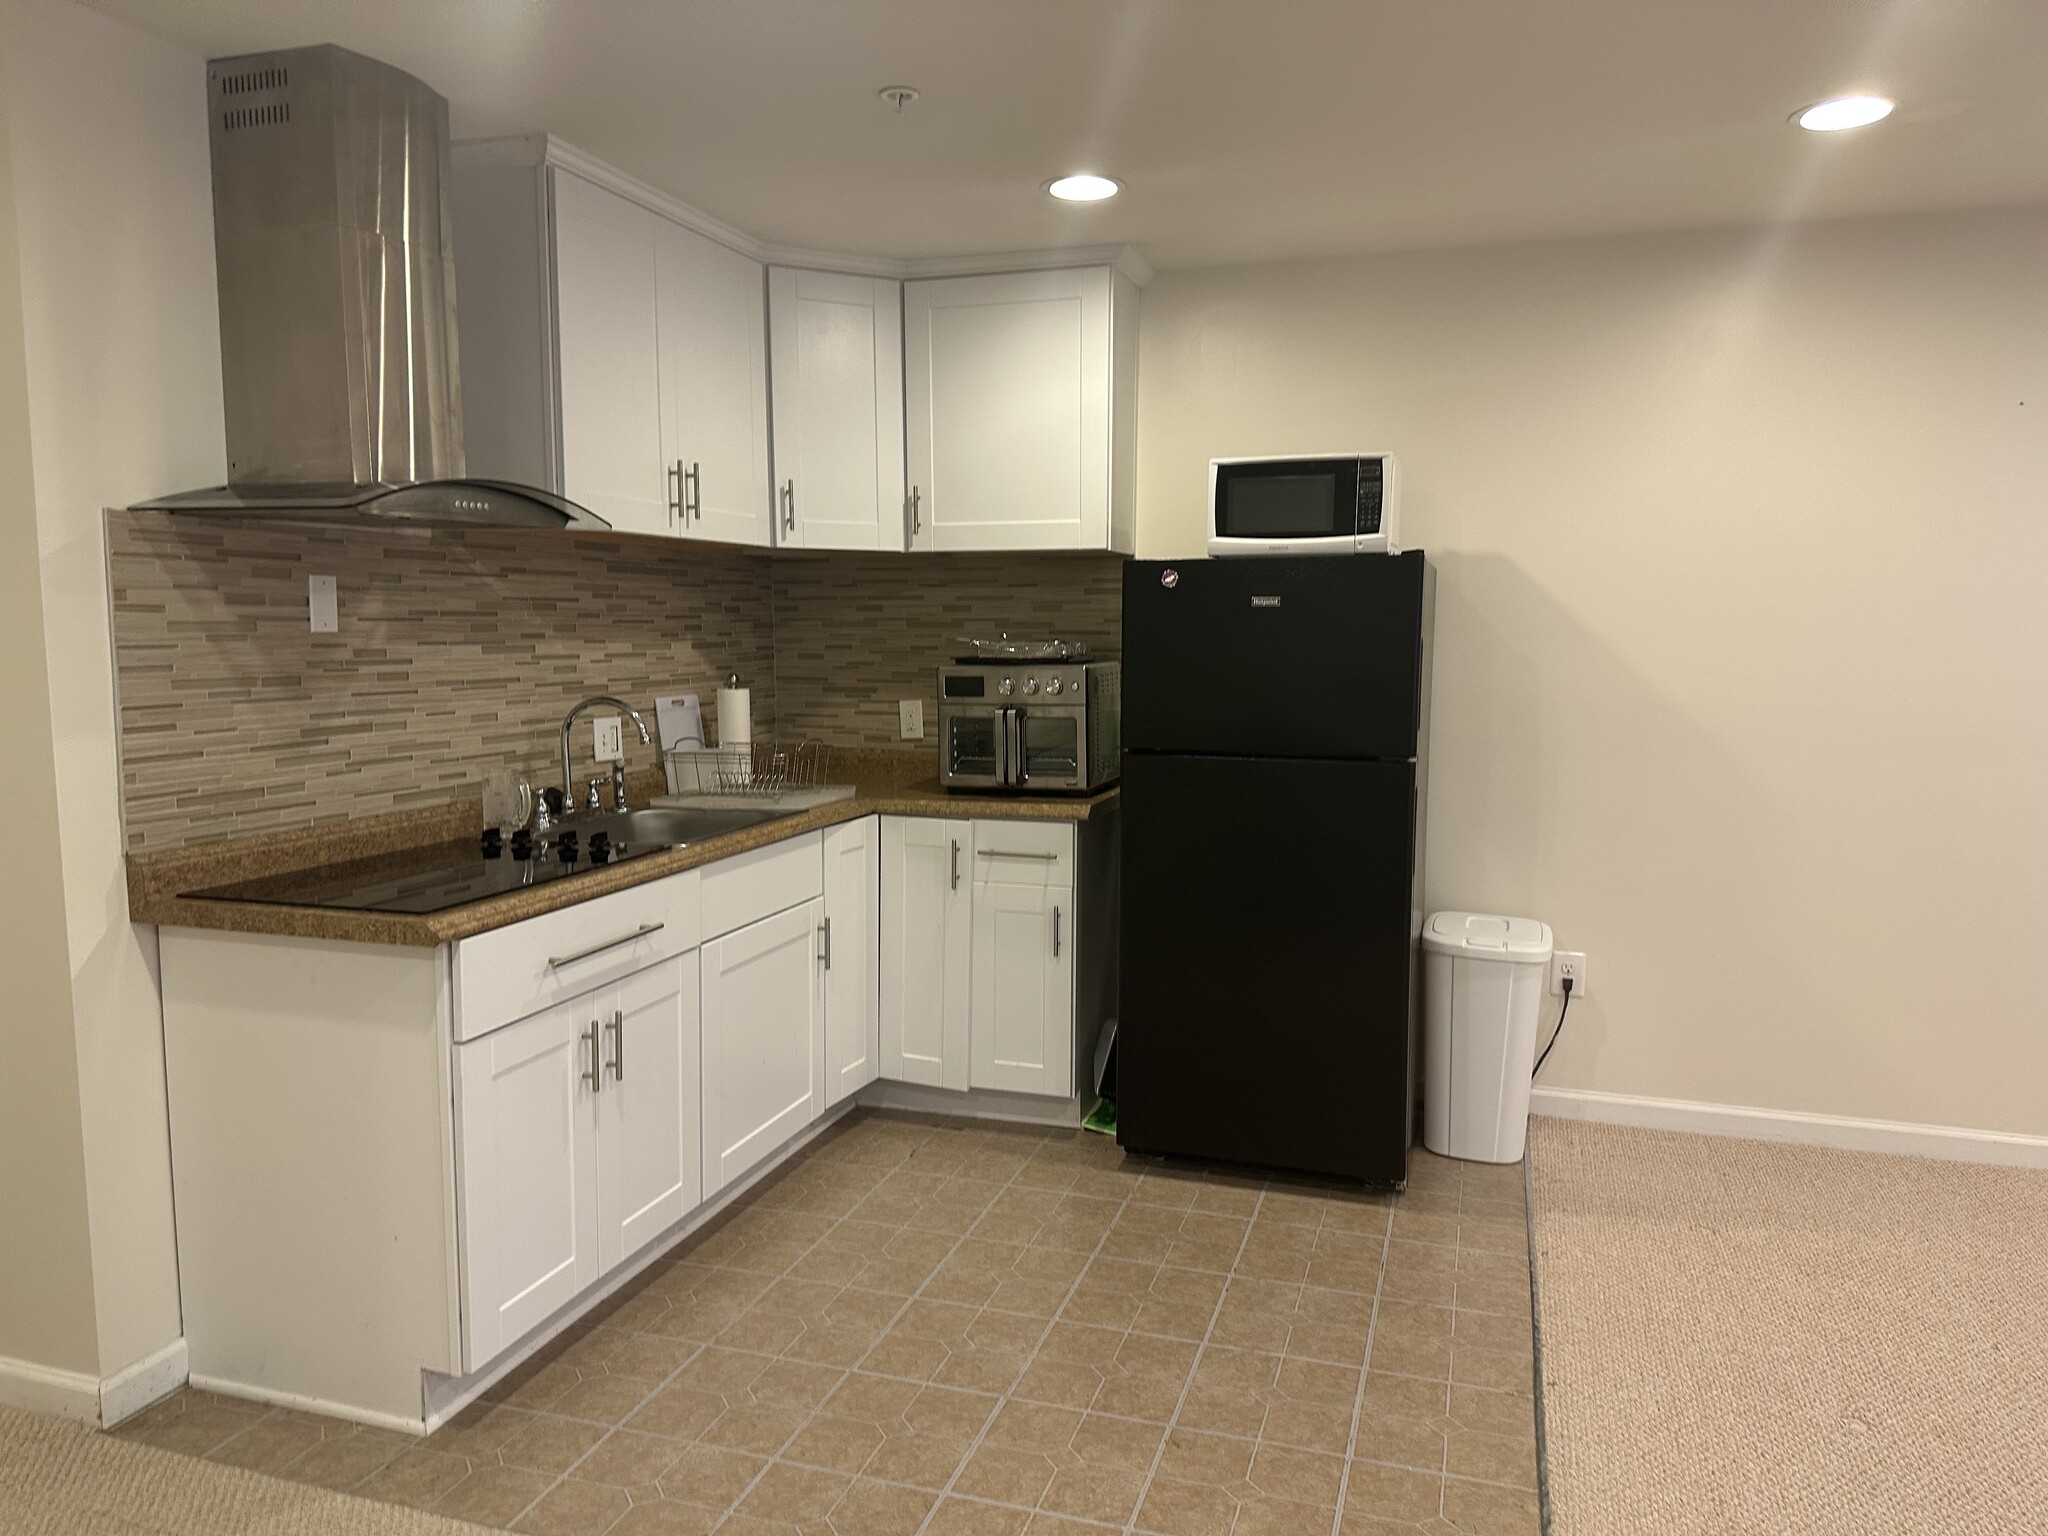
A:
[762,768]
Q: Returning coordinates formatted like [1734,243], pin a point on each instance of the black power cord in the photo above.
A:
[1567,1008]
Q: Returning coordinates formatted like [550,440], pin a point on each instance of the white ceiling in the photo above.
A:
[1244,129]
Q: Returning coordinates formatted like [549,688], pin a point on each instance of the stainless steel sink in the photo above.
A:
[663,824]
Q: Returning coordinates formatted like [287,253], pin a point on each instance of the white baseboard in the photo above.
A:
[977,1104]
[133,1388]
[277,1399]
[44,1389]
[1950,1143]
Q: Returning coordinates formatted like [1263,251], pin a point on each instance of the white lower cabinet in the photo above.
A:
[764,1036]
[926,908]
[578,1145]
[852,952]
[1021,1022]
[649,1156]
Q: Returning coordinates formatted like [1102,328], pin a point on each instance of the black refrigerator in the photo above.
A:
[1275,733]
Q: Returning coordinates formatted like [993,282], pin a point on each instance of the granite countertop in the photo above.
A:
[156,881]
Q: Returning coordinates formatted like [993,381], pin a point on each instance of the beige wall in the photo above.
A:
[122,344]
[1742,639]
[46,1291]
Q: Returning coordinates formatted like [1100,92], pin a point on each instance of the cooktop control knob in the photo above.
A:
[1030,686]
[565,848]
[1007,686]
[1055,685]
[522,844]
[494,842]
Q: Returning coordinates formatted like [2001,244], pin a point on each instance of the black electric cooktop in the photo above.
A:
[431,879]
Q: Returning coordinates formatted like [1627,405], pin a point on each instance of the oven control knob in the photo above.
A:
[1030,686]
[1054,685]
[1007,686]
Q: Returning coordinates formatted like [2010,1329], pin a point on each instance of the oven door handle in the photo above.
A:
[1013,753]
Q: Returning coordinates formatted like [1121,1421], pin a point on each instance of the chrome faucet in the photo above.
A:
[618,770]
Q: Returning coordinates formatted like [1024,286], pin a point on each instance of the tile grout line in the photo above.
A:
[1024,1368]
[1379,1288]
[1201,1349]
[837,1222]
[847,1372]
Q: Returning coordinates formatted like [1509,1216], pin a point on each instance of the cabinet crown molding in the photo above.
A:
[544,149]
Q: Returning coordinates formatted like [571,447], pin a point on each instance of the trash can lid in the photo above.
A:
[1516,940]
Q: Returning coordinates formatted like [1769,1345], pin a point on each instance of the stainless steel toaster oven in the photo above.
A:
[1035,726]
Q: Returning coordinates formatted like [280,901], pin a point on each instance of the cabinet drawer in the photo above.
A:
[511,972]
[750,886]
[1023,853]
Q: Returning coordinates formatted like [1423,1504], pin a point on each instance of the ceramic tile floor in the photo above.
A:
[945,1328]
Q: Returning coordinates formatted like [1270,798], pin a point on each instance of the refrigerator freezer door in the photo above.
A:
[1297,656]
[1265,1014]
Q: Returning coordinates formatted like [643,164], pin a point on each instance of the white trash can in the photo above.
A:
[1482,986]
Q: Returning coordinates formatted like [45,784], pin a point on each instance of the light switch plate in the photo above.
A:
[322,603]
[608,740]
[910,714]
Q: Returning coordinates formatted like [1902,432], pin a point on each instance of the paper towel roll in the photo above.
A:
[735,717]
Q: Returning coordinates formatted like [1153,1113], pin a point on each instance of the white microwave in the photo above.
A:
[1328,504]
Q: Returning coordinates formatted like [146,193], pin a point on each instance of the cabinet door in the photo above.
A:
[1023,1012]
[926,899]
[852,951]
[528,1141]
[763,1037]
[606,312]
[1008,409]
[837,347]
[649,1141]
[714,380]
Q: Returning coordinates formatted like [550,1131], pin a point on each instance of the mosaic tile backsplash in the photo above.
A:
[459,653]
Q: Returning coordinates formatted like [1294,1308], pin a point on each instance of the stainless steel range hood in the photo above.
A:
[336,265]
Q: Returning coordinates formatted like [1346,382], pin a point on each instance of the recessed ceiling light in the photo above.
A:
[1083,189]
[1839,112]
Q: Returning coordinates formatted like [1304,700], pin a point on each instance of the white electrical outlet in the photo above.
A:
[607,740]
[910,713]
[1563,963]
[322,603]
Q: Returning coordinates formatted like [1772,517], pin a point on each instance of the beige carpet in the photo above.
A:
[1740,1337]
[58,1478]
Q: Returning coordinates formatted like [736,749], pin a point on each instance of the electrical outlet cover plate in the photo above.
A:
[608,739]
[323,605]
[1568,962]
[910,713]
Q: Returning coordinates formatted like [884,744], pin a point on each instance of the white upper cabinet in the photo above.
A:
[612,354]
[608,300]
[1021,395]
[837,347]
[714,387]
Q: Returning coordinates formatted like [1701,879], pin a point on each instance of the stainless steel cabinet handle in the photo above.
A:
[956,863]
[595,1076]
[675,491]
[555,963]
[618,1025]
[916,516]
[1010,853]
[1055,933]
[825,928]
[789,506]
[693,503]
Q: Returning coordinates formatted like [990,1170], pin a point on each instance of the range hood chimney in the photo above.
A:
[339,364]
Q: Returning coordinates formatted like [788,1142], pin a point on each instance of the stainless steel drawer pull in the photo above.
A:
[1055,933]
[618,1028]
[556,962]
[1012,853]
[595,1076]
